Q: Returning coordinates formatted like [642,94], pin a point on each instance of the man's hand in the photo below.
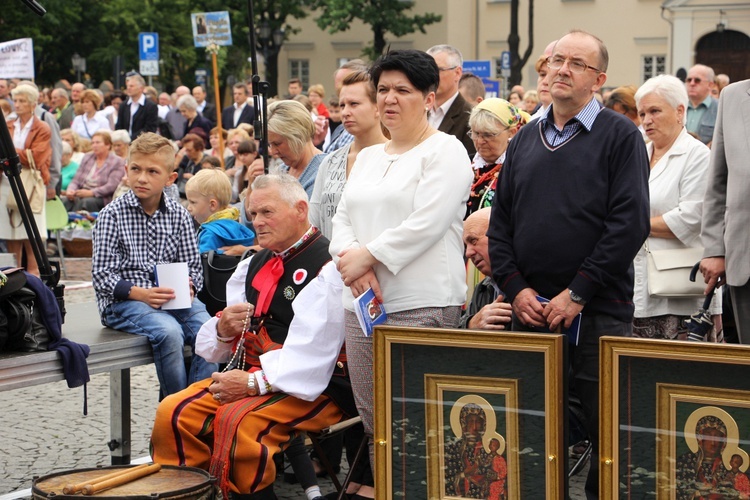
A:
[528,309]
[561,310]
[354,263]
[493,316]
[233,319]
[155,297]
[51,193]
[714,272]
[367,280]
[230,386]
[255,169]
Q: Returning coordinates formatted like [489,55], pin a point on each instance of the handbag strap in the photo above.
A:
[30,156]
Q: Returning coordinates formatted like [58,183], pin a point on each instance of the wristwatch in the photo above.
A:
[576,298]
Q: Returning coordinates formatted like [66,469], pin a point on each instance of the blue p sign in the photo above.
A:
[148,46]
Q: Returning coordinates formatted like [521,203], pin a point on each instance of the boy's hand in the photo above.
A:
[155,297]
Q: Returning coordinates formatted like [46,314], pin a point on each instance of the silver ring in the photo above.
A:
[217,396]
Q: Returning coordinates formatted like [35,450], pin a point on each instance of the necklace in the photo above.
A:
[397,157]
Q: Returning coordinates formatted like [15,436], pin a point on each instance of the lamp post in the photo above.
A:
[79,65]
[270,41]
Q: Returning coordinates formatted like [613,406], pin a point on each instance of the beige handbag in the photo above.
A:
[669,272]
[33,185]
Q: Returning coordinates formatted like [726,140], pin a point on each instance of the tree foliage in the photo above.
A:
[384,16]
[100,30]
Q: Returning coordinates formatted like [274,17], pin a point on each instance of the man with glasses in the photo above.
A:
[702,108]
[451,111]
[570,214]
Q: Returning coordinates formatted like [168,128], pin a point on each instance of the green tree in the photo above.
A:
[384,16]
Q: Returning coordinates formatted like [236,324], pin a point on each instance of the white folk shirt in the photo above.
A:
[304,365]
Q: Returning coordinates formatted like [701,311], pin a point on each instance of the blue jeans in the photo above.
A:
[168,332]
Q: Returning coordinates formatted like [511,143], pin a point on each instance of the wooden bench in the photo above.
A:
[112,352]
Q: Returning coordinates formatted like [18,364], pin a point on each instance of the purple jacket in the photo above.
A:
[107,178]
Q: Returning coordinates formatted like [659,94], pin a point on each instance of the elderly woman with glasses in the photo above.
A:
[493,124]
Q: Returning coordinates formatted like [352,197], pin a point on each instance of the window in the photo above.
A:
[300,68]
[653,65]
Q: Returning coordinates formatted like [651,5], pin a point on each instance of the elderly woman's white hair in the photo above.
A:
[30,92]
[187,102]
[291,120]
[120,136]
[668,87]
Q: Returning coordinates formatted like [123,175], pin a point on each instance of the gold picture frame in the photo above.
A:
[653,394]
[709,405]
[425,382]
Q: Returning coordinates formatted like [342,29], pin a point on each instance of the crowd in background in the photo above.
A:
[457,154]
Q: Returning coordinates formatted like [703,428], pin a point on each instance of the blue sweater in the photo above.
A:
[573,216]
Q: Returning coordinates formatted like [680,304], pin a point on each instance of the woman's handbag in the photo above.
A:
[669,272]
[33,185]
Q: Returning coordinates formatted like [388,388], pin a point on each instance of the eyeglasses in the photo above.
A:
[484,136]
[693,80]
[556,62]
[450,68]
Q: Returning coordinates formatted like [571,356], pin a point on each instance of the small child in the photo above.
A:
[133,234]
[209,193]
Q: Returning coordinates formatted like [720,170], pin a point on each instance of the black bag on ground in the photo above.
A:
[217,269]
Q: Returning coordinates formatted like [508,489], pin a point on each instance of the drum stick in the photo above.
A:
[72,489]
[128,477]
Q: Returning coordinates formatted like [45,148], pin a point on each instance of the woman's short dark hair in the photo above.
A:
[419,68]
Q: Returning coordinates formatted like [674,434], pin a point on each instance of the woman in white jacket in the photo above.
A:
[679,165]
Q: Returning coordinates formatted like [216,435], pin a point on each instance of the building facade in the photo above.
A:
[644,37]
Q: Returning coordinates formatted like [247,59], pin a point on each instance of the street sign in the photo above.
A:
[149,68]
[211,28]
[505,60]
[148,46]
[491,88]
[201,76]
[478,68]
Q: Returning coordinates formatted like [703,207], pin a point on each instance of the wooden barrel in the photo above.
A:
[171,482]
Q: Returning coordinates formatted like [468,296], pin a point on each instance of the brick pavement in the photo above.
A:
[44,430]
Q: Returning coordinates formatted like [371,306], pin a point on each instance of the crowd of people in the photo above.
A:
[406,179]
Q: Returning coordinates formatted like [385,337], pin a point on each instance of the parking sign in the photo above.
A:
[148,46]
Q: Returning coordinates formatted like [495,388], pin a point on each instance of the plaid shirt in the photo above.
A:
[585,118]
[128,244]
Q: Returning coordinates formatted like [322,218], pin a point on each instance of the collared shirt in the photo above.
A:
[58,111]
[585,118]
[436,115]
[695,114]
[344,138]
[201,107]
[134,105]
[20,134]
[237,113]
[129,243]
[86,127]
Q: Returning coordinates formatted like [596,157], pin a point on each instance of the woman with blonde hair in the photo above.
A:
[316,93]
[97,176]
[31,138]
[90,121]
[290,139]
